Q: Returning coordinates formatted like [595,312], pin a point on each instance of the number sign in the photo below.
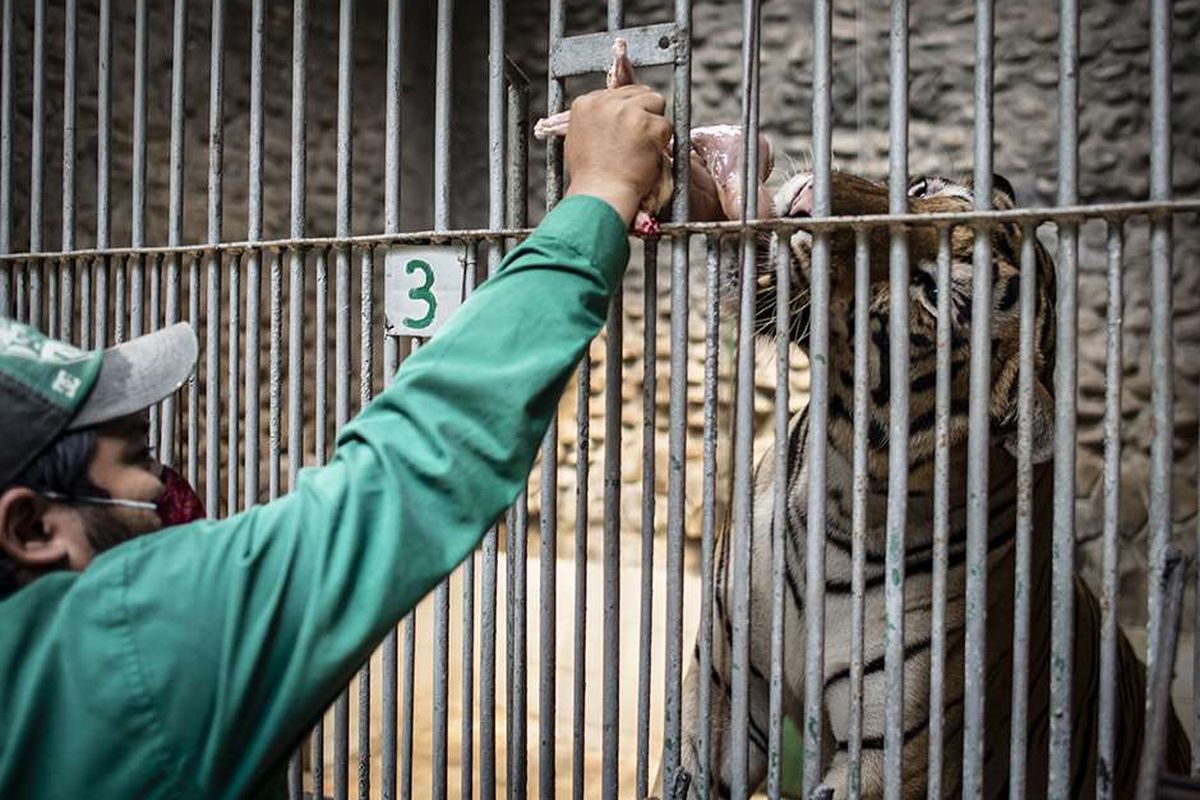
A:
[423,287]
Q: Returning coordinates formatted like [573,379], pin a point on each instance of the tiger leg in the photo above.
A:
[839,775]
[715,768]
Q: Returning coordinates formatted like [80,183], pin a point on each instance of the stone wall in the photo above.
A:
[1114,146]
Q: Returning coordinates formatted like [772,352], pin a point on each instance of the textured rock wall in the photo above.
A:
[1114,147]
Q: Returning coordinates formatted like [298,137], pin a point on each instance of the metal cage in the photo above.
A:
[103,293]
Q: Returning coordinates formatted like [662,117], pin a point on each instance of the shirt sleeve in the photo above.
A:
[243,630]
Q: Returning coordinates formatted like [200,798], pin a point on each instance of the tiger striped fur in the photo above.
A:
[852,196]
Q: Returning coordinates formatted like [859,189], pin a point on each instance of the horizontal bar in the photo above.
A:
[648,46]
[1075,213]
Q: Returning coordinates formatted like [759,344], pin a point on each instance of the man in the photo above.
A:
[190,663]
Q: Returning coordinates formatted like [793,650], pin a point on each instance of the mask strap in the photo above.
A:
[100,501]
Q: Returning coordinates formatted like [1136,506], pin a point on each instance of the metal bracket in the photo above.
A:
[649,46]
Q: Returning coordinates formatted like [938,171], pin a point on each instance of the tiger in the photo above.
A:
[853,195]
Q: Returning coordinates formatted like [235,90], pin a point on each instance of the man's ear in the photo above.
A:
[29,535]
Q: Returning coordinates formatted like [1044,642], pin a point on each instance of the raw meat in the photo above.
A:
[714,163]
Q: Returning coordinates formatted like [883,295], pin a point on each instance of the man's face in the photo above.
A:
[44,535]
[124,467]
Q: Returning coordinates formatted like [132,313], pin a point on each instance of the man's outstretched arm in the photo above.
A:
[242,630]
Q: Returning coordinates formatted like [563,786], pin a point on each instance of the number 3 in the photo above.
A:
[421,294]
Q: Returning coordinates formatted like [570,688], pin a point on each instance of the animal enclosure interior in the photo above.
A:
[262,170]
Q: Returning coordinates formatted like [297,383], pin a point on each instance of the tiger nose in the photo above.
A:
[802,201]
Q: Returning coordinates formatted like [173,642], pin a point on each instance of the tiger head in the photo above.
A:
[853,196]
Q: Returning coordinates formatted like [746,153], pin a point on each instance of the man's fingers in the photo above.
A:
[649,100]
[642,96]
[661,130]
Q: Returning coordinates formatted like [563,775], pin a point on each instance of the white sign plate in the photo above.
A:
[423,287]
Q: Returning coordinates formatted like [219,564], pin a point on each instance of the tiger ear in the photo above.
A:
[1042,426]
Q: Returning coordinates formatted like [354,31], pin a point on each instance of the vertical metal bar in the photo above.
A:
[708,494]
[341,377]
[467,745]
[897,500]
[979,417]
[233,413]
[86,302]
[744,411]
[610,726]
[212,354]
[441,221]
[391,352]
[1158,685]
[103,166]
[296,297]
[781,258]
[549,483]
[36,155]
[252,376]
[582,454]
[137,236]
[610,710]
[179,40]
[681,102]
[518,534]
[646,621]
[254,257]
[50,275]
[320,446]
[66,298]
[548,591]
[858,504]
[610,753]
[1162,372]
[406,734]
[317,744]
[6,71]
[490,556]
[1106,735]
[345,154]
[517,215]
[22,297]
[616,14]
[137,212]
[818,408]
[70,111]
[366,364]
[193,391]
[275,389]
[554,104]
[1024,544]
[154,324]
[137,294]
[120,300]
[1065,378]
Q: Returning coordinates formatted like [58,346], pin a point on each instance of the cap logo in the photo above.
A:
[66,384]
[18,341]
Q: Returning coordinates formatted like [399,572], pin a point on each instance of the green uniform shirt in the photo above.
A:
[190,663]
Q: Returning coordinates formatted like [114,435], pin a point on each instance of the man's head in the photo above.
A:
[77,474]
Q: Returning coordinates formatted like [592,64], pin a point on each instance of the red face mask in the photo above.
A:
[178,504]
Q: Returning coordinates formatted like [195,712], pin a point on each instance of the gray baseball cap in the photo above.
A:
[48,387]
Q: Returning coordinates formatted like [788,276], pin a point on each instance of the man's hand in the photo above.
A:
[614,147]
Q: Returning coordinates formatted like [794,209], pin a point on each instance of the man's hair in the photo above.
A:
[62,468]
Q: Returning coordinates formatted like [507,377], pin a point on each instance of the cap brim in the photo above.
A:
[139,373]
